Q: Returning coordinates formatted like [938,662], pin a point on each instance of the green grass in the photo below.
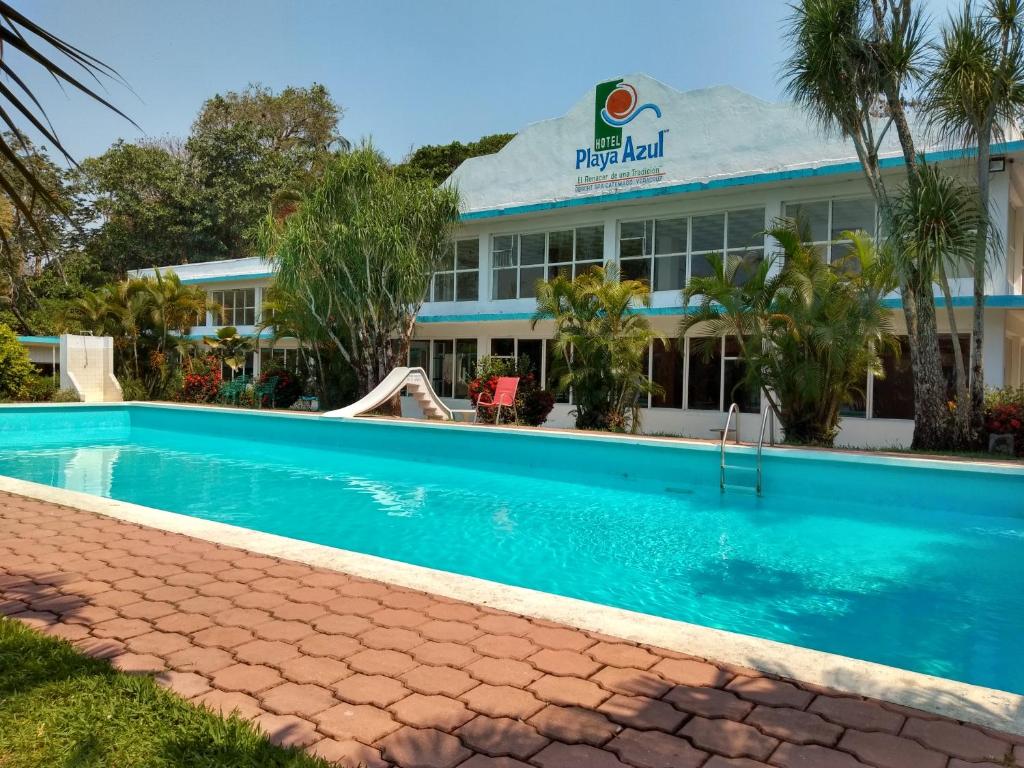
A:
[61,709]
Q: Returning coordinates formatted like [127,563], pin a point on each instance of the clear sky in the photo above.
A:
[408,72]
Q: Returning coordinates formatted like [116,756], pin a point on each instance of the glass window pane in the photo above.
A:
[635,269]
[560,247]
[633,229]
[669,272]
[528,279]
[556,369]
[249,316]
[748,398]
[504,283]
[700,266]
[419,354]
[441,368]
[709,232]
[893,395]
[853,216]
[565,270]
[703,386]
[448,260]
[503,251]
[812,218]
[749,262]
[633,238]
[444,286]
[468,287]
[590,243]
[582,269]
[746,228]
[468,254]
[667,370]
[670,236]
[503,347]
[533,350]
[531,249]
[465,365]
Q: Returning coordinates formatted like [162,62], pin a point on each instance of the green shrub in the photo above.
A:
[66,396]
[133,389]
[40,388]
[16,369]
[532,403]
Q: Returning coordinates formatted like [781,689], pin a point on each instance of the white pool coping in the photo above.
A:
[987,707]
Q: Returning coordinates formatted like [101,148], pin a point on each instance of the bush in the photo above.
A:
[288,388]
[1004,415]
[202,380]
[66,396]
[533,403]
[16,369]
[133,389]
[40,389]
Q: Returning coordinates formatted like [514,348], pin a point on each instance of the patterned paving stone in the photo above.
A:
[185,684]
[794,726]
[314,669]
[228,702]
[557,755]
[440,712]
[302,699]
[205,661]
[622,655]
[632,682]
[655,750]
[265,652]
[690,672]
[813,756]
[222,637]
[370,689]
[504,646]
[568,663]
[642,712]
[502,701]
[857,713]
[361,722]
[501,737]
[728,738]
[347,753]
[774,693]
[888,751]
[448,681]
[956,740]
[502,671]
[574,725]
[444,654]
[569,691]
[138,663]
[423,748]
[287,730]
[709,702]
[247,678]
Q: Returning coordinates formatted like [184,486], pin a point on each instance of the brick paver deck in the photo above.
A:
[365,673]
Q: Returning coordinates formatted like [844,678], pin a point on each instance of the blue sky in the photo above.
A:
[406,73]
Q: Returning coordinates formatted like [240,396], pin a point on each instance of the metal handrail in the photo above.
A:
[733,409]
[769,415]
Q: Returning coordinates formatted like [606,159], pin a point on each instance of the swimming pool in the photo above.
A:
[908,563]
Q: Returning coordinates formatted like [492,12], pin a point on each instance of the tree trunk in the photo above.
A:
[977,415]
[931,414]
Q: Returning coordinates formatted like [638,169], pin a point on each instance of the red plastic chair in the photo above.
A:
[504,397]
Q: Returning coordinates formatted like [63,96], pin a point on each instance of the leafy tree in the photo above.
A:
[854,67]
[16,369]
[975,91]
[437,161]
[230,347]
[357,255]
[602,340]
[808,332]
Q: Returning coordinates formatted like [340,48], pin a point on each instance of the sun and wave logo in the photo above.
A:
[622,105]
[616,103]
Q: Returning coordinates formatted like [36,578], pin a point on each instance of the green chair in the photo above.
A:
[267,389]
[231,391]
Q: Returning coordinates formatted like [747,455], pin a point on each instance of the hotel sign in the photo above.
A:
[616,105]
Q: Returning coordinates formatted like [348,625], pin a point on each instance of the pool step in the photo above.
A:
[731,469]
[419,393]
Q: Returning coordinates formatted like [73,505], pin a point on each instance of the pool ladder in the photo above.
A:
[767,421]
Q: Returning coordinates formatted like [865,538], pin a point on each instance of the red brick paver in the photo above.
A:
[364,673]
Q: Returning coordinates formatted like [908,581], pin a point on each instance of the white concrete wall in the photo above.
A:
[87,367]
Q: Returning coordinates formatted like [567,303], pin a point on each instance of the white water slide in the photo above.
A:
[414,381]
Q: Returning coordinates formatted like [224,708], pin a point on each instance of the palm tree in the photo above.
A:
[56,57]
[603,341]
[934,226]
[231,347]
[853,67]
[975,92]
[173,306]
[809,332]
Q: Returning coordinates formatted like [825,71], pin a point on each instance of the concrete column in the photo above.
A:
[995,347]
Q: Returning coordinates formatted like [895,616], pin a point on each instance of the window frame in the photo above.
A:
[218,315]
[546,266]
[453,270]
[828,245]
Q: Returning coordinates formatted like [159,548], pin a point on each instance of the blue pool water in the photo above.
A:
[898,562]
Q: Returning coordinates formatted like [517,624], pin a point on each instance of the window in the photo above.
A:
[666,252]
[667,370]
[237,306]
[715,377]
[280,356]
[519,261]
[458,279]
[892,397]
[247,369]
[452,364]
[825,221]
[419,354]
[514,349]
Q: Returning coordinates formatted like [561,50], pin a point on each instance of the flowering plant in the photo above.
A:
[287,390]
[532,403]
[1004,415]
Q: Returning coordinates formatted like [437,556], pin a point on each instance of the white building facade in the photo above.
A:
[655,180]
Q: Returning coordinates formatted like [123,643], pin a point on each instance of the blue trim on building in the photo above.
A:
[735,181]
[228,278]
[1002,301]
[266,333]
[50,340]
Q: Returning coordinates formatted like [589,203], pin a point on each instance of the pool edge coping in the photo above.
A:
[986,707]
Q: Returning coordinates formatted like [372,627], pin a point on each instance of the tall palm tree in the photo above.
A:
[809,332]
[603,341]
[58,58]
[977,91]
[854,67]
[933,225]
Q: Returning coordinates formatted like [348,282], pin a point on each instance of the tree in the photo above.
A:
[358,255]
[55,56]
[15,367]
[975,91]
[230,347]
[852,68]
[438,161]
[603,341]
[809,332]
